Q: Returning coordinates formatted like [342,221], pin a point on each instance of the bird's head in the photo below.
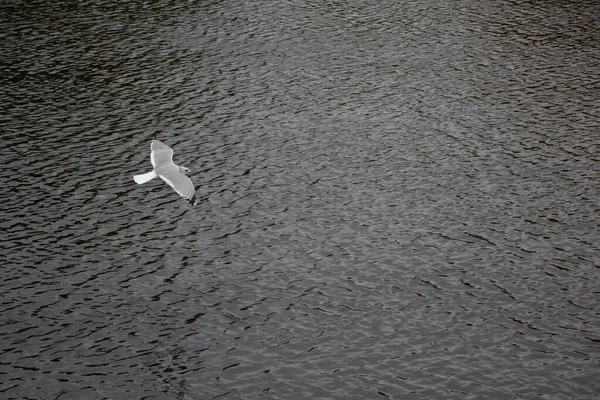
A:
[185,170]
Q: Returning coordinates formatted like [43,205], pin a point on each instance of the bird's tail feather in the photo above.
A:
[143,178]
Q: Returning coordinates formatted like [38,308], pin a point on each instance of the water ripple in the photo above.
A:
[397,200]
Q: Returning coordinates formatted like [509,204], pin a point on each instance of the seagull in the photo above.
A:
[161,157]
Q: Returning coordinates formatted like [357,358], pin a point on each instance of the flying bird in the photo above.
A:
[161,157]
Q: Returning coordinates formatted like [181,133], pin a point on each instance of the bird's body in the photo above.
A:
[161,157]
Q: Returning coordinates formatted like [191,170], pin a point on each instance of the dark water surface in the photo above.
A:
[398,199]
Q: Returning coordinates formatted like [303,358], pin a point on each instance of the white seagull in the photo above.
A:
[161,157]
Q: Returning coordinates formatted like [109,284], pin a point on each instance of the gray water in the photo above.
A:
[397,199]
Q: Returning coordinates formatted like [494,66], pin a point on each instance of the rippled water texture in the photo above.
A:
[397,199]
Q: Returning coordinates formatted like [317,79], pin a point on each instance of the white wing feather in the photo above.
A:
[161,157]
[181,183]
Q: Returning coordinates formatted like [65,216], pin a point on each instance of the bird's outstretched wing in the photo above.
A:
[161,155]
[180,182]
